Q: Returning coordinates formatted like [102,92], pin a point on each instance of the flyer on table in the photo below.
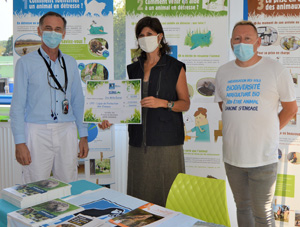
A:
[117,101]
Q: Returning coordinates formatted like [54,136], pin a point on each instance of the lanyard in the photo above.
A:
[52,74]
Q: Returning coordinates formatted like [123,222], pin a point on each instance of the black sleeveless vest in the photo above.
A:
[163,127]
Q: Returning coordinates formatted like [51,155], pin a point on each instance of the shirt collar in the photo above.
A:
[46,56]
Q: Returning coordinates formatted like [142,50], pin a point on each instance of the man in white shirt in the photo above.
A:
[47,108]
[249,90]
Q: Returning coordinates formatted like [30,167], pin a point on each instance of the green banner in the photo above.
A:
[176,8]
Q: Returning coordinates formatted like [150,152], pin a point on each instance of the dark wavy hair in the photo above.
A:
[155,25]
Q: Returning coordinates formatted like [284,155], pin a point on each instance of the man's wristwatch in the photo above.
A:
[170,105]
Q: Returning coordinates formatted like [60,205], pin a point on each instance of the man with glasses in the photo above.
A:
[249,90]
[47,108]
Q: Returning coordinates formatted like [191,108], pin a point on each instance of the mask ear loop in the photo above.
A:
[254,44]
[159,45]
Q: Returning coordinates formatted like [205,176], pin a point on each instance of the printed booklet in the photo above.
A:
[82,220]
[44,213]
[37,192]
[146,215]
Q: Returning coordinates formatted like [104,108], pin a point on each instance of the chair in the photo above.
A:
[199,197]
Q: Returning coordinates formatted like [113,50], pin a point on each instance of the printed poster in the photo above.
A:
[197,32]
[278,25]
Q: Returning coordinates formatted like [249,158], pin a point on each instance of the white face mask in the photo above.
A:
[148,43]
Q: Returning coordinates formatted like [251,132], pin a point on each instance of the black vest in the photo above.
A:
[163,127]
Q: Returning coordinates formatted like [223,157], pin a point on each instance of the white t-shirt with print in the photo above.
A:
[251,97]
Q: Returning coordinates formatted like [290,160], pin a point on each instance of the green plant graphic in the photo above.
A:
[135,84]
[92,85]
[90,117]
[135,118]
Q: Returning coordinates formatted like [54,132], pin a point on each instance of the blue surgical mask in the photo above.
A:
[52,39]
[243,51]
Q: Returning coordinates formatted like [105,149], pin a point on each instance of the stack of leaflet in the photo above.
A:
[35,193]
[43,213]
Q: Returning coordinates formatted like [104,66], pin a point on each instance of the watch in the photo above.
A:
[170,105]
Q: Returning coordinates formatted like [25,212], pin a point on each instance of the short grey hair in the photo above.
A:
[50,13]
[244,22]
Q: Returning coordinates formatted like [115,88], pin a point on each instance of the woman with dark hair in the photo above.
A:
[156,146]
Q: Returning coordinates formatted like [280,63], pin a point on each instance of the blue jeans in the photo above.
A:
[253,191]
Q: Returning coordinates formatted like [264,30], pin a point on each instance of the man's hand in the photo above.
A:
[83,147]
[104,124]
[23,154]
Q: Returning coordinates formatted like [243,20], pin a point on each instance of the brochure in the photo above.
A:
[147,215]
[44,213]
[82,220]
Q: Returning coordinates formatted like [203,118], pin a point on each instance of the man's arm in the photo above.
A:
[289,109]
[77,103]
[17,113]
[220,105]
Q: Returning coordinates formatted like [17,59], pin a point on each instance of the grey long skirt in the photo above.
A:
[152,170]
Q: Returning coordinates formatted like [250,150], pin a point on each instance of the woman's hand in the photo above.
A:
[152,102]
[104,124]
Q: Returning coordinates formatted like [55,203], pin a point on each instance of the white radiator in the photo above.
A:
[10,169]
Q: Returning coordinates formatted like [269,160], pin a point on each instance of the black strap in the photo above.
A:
[52,74]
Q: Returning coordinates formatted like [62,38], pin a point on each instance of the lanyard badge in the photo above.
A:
[65,106]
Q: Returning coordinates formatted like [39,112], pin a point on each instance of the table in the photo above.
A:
[110,202]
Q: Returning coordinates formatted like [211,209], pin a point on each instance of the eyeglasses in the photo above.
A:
[51,81]
[49,78]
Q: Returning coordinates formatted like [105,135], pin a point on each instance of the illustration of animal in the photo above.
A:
[48,183]
[25,50]
[94,8]
[200,40]
[207,88]
[57,206]
[97,47]
[96,30]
